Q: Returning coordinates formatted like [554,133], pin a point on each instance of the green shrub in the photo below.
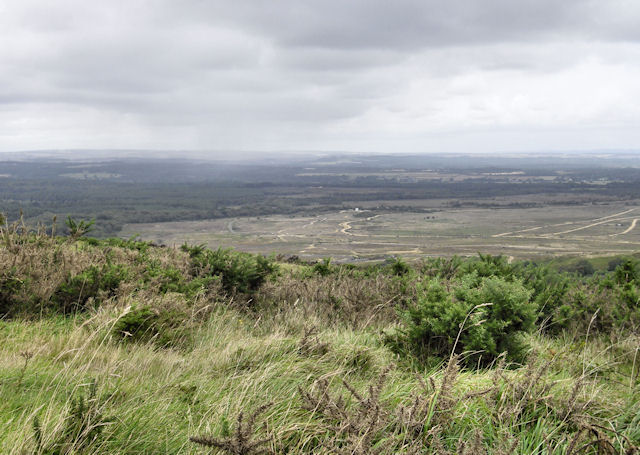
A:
[399,267]
[76,291]
[600,304]
[614,263]
[91,241]
[487,265]
[549,289]
[164,326]
[323,268]
[582,267]
[588,308]
[627,271]
[165,279]
[480,317]
[239,272]
[171,280]
[444,268]
[630,295]
[10,285]
[136,324]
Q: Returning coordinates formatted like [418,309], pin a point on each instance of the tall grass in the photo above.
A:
[156,399]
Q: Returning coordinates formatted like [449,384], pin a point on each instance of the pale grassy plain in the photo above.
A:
[373,234]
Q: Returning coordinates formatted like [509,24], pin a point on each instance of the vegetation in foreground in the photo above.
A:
[120,347]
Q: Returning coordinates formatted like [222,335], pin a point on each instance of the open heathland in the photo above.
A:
[376,233]
[122,347]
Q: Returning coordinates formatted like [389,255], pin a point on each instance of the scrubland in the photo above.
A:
[122,347]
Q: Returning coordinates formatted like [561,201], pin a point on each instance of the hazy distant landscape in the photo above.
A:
[362,207]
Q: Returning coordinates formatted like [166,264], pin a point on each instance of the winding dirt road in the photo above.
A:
[629,229]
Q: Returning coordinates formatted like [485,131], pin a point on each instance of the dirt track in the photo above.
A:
[593,222]
[629,229]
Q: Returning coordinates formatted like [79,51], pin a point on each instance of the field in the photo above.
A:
[369,233]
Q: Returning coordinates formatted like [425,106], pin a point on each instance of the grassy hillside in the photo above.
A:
[120,347]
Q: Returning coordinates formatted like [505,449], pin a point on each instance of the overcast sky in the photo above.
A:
[343,75]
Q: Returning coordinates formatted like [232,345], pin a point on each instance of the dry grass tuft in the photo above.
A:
[339,298]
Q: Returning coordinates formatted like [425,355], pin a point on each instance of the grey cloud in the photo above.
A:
[329,72]
[336,60]
[412,24]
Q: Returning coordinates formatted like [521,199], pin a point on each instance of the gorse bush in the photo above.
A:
[164,325]
[479,318]
[520,412]
[487,265]
[400,267]
[44,274]
[171,279]
[241,441]
[576,301]
[239,272]
[549,290]
[627,272]
[138,323]
[131,244]
[600,303]
[444,268]
[76,291]
[324,267]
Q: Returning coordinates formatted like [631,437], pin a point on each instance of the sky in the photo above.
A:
[380,76]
